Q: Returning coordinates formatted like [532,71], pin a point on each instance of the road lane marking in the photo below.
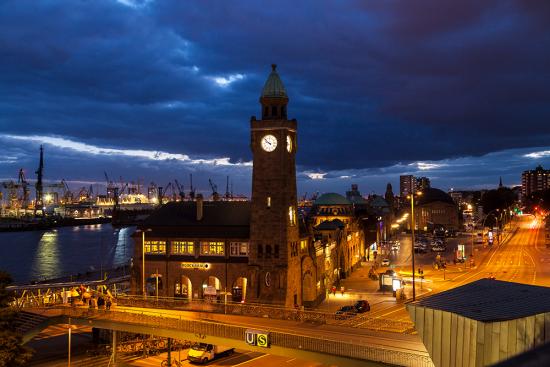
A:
[250,360]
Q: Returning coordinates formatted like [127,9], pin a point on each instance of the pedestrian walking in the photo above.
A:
[108,303]
[100,302]
[333,290]
[342,290]
[93,302]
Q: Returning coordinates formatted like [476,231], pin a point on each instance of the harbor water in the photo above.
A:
[59,252]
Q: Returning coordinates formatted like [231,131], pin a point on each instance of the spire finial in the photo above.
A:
[273,67]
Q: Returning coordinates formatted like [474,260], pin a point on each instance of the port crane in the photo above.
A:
[228,194]
[181,190]
[215,195]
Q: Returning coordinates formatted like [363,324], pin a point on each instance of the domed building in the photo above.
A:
[332,206]
[435,208]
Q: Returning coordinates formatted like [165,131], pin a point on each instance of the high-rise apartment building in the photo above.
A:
[422,183]
[534,180]
[407,184]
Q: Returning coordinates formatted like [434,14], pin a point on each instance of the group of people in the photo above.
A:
[100,299]
[102,302]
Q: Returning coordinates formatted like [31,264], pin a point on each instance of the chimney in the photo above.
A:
[199,206]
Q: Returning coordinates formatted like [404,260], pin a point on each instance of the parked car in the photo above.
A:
[459,260]
[438,248]
[362,306]
[345,312]
[395,246]
[386,262]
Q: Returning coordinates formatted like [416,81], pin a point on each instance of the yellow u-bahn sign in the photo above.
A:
[257,338]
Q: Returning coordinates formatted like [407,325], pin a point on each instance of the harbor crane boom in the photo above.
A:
[214,187]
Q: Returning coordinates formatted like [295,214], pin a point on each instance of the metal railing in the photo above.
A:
[363,321]
[281,339]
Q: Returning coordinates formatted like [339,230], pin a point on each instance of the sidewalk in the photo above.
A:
[359,286]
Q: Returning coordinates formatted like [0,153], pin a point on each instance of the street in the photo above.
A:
[521,257]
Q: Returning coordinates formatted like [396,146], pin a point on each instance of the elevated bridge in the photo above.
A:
[311,335]
[329,344]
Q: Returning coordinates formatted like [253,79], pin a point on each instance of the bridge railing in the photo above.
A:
[281,339]
[52,297]
[363,321]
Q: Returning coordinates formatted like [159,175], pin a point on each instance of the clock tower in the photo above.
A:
[274,234]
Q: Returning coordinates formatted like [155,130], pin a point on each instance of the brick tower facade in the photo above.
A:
[274,233]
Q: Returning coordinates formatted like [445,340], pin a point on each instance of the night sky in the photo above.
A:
[458,91]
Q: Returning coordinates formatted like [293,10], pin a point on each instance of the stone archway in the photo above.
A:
[309,281]
[308,288]
[238,292]
[211,288]
[183,288]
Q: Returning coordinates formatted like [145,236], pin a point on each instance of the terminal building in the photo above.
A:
[483,323]
[256,251]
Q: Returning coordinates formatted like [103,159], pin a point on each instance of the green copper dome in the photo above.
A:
[274,85]
[332,199]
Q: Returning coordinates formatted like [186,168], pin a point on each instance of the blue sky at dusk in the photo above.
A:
[458,91]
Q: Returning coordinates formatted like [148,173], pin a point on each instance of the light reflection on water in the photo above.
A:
[40,255]
[46,259]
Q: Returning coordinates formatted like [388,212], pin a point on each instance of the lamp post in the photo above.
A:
[143,259]
[413,224]
[496,218]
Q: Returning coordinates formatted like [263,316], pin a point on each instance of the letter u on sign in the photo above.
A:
[250,337]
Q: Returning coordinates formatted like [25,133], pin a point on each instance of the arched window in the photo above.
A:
[276,252]
[273,111]
[266,111]
[283,111]
[260,250]
[268,251]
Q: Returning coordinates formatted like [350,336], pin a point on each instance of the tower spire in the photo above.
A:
[500,183]
[274,98]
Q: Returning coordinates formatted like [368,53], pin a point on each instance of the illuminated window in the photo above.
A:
[155,247]
[238,248]
[269,201]
[292,215]
[211,248]
[303,245]
[183,248]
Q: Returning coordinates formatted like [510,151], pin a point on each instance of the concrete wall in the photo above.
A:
[456,341]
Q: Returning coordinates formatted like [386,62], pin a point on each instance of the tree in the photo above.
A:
[501,198]
[539,199]
[12,352]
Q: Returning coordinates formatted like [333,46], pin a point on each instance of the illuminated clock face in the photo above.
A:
[269,143]
[289,143]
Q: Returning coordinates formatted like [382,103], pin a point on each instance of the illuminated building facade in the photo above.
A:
[258,251]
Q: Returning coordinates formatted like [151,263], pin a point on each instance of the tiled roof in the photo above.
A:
[432,195]
[219,219]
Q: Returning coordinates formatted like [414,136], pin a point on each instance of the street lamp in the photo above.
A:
[411,197]
[143,258]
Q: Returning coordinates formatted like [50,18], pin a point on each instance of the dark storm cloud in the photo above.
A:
[373,84]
